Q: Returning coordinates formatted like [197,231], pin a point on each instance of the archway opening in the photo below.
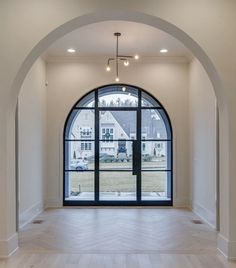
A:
[88,146]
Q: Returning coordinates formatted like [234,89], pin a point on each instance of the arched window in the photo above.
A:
[118,149]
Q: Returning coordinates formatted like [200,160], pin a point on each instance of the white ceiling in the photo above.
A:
[98,40]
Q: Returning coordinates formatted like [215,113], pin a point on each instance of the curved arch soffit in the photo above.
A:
[133,16]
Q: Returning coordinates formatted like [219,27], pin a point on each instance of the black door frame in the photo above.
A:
[138,158]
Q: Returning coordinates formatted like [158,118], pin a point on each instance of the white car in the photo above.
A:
[78,164]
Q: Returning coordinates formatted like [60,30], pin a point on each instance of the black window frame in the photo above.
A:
[169,139]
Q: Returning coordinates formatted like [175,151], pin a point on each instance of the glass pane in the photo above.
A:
[80,185]
[87,101]
[118,96]
[155,155]
[116,155]
[148,101]
[153,125]
[156,185]
[81,125]
[79,155]
[117,186]
[117,125]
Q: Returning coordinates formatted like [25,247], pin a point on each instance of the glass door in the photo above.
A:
[117,143]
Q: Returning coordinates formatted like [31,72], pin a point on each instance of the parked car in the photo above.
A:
[90,159]
[106,158]
[146,157]
[103,157]
[79,164]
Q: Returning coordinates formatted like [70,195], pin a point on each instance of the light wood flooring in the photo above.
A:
[117,237]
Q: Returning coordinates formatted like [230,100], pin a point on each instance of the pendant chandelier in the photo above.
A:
[119,58]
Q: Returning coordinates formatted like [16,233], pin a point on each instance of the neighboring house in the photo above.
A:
[115,126]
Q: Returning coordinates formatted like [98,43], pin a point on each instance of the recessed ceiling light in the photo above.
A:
[164,50]
[136,57]
[71,50]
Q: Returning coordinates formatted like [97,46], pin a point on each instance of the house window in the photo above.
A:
[86,146]
[85,133]
[107,134]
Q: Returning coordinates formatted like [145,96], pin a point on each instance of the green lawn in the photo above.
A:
[119,181]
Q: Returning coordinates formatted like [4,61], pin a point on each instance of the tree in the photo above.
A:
[154,152]
[118,102]
[112,104]
[104,104]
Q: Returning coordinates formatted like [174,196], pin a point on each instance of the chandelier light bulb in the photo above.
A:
[123,89]
[126,63]
[117,79]
[136,57]
[108,68]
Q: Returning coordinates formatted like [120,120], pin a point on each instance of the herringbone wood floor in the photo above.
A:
[117,237]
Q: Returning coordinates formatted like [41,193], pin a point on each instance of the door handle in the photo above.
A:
[135,157]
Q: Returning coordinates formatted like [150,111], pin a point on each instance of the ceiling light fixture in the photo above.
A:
[126,63]
[164,50]
[119,58]
[71,50]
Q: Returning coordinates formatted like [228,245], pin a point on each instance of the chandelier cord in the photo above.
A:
[117,65]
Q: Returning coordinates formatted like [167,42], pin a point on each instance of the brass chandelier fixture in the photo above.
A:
[119,58]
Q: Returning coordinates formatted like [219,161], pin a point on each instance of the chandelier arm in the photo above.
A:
[110,59]
[124,56]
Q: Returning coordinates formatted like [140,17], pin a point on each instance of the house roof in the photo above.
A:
[152,123]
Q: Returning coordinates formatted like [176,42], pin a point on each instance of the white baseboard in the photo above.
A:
[9,246]
[232,250]
[54,203]
[205,214]
[226,247]
[29,214]
[181,203]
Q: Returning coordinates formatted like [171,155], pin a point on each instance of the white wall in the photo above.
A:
[70,81]
[32,142]
[202,103]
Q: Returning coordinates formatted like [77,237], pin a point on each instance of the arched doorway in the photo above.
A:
[49,35]
[118,149]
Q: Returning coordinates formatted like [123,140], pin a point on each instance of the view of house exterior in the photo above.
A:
[116,129]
